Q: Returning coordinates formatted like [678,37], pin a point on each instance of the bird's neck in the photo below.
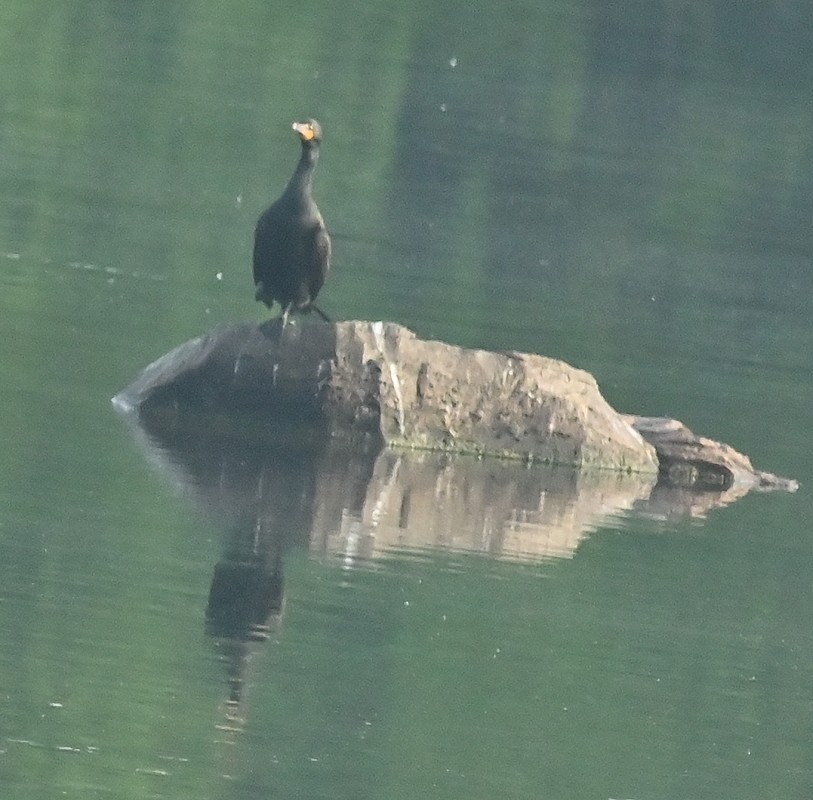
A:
[301,180]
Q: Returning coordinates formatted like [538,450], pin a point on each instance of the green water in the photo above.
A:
[626,186]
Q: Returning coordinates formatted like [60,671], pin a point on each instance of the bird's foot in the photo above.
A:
[321,313]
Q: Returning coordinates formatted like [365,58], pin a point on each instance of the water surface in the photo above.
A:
[624,186]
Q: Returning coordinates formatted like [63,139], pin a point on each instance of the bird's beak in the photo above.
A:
[304,130]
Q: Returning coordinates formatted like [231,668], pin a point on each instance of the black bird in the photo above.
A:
[291,243]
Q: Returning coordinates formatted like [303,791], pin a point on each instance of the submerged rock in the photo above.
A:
[689,461]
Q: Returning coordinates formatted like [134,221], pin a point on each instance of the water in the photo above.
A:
[624,186]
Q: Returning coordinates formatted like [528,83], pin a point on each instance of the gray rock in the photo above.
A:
[377,384]
[377,381]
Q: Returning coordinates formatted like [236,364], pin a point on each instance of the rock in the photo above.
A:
[378,382]
[694,462]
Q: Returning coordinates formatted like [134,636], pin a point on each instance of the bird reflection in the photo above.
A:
[246,601]
[244,598]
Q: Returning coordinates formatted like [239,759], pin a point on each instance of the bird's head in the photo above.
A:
[309,131]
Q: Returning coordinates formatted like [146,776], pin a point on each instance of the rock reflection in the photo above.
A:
[269,494]
[499,508]
[355,504]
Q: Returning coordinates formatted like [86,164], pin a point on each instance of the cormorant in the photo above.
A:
[291,244]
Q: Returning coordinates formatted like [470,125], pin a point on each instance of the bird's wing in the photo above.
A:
[267,234]
[320,258]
